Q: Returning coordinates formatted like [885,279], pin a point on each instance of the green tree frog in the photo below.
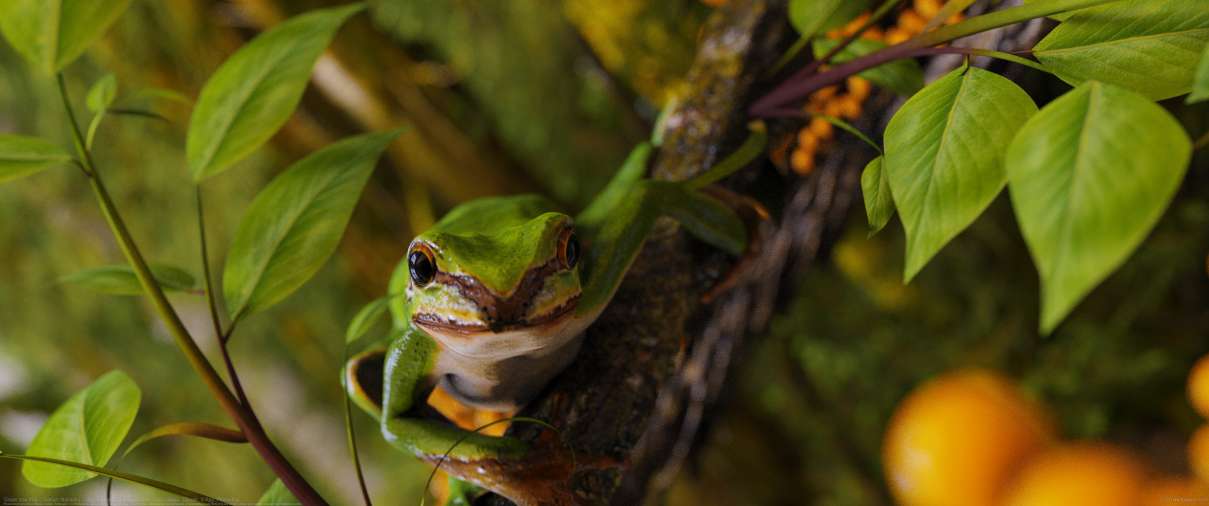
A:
[496,295]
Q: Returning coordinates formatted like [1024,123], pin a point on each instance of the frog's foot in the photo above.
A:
[755,217]
[546,475]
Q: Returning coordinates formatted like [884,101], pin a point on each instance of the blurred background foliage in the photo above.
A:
[522,95]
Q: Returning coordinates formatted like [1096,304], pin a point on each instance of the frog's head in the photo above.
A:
[497,291]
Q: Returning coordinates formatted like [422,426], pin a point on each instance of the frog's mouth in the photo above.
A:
[531,305]
[439,324]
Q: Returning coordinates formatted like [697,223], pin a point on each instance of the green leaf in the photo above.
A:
[53,33]
[100,97]
[132,478]
[1148,46]
[295,223]
[1200,86]
[809,17]
[256,90]
[901,76]
[21,156]
[194,429]
[850,128]
[879,204]
[102,93]
[944,156]
[87,429]
[366,318]
[1089,177]
[277,494]
[1059,17]
[947,11]
[121,279]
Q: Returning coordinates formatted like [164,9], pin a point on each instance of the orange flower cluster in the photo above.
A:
[848,102]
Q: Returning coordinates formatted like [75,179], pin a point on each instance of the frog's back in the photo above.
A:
[492,213]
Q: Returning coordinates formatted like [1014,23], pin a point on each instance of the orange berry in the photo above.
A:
[1198,453]
[859,87]
[896,35]
[956,439]
[850,107]
[955,18]
[855,24]
[824,93]
[911,22]
[1078,473]
[927,8]
[821,128]
[807,141]
[834,108]
[1198,386]
[802,162]
[873,33]
[1174,490]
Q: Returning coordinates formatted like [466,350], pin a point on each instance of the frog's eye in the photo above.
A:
[421,265]
[568,249]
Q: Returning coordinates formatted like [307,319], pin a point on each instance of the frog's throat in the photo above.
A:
[499,313]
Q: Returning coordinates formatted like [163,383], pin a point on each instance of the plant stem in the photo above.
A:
[246,422]
[222,337]
[847,41]
[799,87]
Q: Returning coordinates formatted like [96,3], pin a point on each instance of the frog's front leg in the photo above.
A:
[392,384]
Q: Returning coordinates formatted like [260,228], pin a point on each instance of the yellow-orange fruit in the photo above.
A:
[896,35]
[807,142]
[859,87]
[802,162]
[1198,453]
[821,128]
[1198,386]
[873,33]
[927,8]
[1078,473]
[957,439]
[855,24]
[850,107]
[1174,490]
[911,22]
[824,93]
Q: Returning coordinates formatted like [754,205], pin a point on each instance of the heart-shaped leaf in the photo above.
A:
[53,33]
[1200,85]
[879,205]
[277,495]
[295,223]
[256,90]
[21,156]
[809,17]
[87,429]
[944,156]
[121,279]
[1089,177]
[901,76]
[1148,46]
